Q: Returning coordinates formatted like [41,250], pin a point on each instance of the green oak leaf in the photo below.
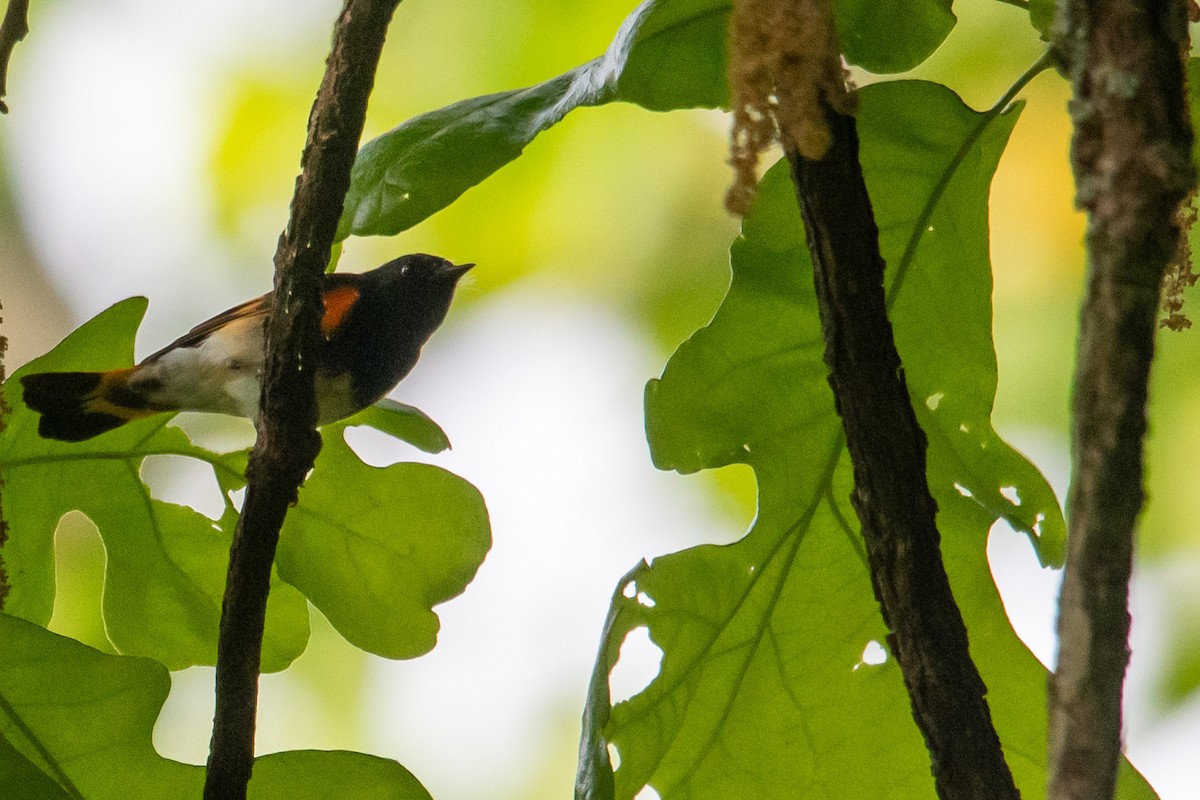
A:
[404,422]
[670,54]
[84,720]
[166,563]
[667,55]
[594,779]
[21,779]
[930,250]
[892,36]
[319,775]
[375,548]
[422,166]
[775,677]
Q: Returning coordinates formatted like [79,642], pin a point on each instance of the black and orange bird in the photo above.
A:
[374,327]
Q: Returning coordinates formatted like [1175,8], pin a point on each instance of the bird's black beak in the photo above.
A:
[456,271]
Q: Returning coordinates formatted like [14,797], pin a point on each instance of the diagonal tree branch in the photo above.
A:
[1132,158]
[287,440]
[786,74]
[891,495]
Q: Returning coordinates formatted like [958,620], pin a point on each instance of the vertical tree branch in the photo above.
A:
[1132,158]
[287,440]
[891,494]
[4,409]
[12,30]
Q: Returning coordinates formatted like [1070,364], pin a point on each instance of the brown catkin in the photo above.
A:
[784,71]
[1180,275]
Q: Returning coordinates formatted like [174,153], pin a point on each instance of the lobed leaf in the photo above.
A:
[85,718]
[79,723]
[776,678]
[166,563]
[165,571]
[376,548]
[320,774]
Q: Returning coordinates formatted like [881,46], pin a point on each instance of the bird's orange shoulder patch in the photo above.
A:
[338,302]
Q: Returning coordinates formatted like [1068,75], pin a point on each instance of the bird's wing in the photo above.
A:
[258,307]
[341,291]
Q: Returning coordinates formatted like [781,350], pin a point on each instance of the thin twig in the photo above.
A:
[12,30]
[287,440]
[1131,153]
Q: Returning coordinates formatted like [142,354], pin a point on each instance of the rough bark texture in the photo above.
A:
[287,440]
[1132,157]
[891,494]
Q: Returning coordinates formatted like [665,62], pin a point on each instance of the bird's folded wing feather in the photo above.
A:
[258,307]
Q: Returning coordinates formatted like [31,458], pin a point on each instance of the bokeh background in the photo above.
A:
[152,149]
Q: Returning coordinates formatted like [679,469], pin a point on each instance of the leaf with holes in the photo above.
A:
[772,682]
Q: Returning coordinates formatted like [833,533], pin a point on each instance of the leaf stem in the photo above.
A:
[208,457]
[1045,61]
[51,762]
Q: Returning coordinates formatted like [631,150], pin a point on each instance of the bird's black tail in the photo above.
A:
[79,405]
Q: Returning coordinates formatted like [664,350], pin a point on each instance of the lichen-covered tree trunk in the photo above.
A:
[1131,153]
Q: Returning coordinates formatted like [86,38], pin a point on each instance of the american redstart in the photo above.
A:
[374,326]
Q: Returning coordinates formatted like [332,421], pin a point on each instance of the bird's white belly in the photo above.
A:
[220,375]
